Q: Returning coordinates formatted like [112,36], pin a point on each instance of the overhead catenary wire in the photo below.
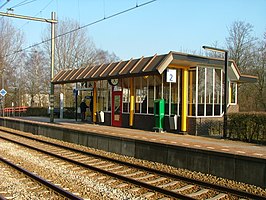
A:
[7,1]
[17,5]
[37,13]
[84,26]
[25,2]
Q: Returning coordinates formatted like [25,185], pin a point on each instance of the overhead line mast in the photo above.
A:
[52,21]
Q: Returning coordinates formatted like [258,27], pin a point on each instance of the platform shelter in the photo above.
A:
[171,92]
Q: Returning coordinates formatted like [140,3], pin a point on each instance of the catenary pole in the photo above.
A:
[52,21]
[52,68]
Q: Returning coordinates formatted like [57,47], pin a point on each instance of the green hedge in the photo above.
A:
[248,127]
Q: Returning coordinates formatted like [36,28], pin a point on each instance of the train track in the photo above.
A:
[37,184]
[164,183]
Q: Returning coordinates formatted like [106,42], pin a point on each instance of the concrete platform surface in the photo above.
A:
[188,141]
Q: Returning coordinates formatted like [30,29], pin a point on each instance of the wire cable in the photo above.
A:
[84,26]
[7,1]
[37,13]
[23,3]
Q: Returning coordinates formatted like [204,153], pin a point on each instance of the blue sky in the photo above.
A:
[159,27]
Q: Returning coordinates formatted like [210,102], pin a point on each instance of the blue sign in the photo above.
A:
[3,92]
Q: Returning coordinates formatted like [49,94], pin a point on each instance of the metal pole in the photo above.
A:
[3,98]
[225,92]
[76,105]
[52,67]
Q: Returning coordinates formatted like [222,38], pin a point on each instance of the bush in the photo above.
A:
[37,111]
[249,127]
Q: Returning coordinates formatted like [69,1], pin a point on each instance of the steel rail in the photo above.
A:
[42,181]
[114,175]
[167,174]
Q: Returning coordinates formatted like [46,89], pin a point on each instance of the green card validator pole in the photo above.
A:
[159,113]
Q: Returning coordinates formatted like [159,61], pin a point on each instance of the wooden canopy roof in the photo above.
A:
[140,67]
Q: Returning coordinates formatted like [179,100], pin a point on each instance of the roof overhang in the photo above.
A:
[247,79]
[143,66]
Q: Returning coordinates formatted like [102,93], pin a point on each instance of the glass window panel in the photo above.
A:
[109,97]
[138,94]
[158,86]
[125,99]
[166,87]
[191,92]
[217,94]
[102,95]
[144,99]
[201,90]
[117,108]
[209,91]
[174,97]
[233,92]
[151,95]
[126,94]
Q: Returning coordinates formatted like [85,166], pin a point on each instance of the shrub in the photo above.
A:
[36,111]
[249,127]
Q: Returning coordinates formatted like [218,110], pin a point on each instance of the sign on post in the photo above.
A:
[3,92]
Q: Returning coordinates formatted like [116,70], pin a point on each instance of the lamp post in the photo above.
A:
[225,83]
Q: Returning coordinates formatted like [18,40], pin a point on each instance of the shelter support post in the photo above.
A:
[184,100]
[94,102]
[132,102]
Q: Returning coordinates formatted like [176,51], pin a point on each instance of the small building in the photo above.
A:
[172,92]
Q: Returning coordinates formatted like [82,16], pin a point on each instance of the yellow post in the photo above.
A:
[184,100]
[190,93]
[94,102]
[132,102]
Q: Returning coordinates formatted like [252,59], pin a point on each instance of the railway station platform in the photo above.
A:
[234,160]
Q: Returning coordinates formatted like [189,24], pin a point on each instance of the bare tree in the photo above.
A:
[240,44]
[259,68]
[73,49]
[11,41]
[36,77]
[102,56]
[249,56]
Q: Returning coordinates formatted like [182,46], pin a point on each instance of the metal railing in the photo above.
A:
[14,111]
